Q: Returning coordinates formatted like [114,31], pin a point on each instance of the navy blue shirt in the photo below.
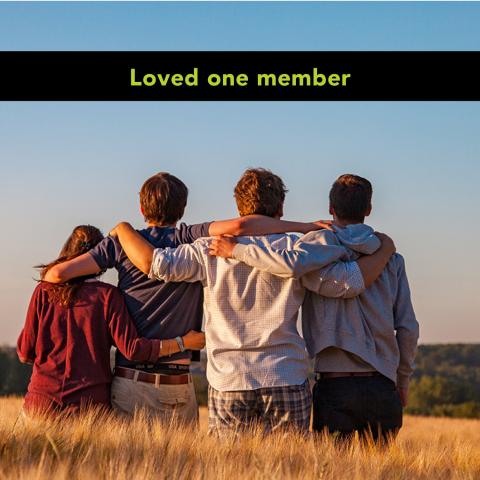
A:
[159,310]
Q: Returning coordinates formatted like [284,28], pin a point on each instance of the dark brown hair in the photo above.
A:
[261,192]
[163,198]
[351,197]
[82,239]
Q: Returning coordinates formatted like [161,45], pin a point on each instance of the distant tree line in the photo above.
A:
[446,381]
[14,376]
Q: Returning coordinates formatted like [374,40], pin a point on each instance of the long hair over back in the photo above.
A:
[82,239]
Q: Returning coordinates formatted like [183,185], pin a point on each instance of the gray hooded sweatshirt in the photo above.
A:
[377,325]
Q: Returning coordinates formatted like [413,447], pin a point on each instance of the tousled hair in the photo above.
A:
[81,240]
[259,191]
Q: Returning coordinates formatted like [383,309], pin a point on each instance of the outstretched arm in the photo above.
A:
[307,258]
[308,254]
[262,225]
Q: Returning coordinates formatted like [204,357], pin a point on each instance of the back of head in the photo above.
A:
[163,198]
[81,240]
[260,192]
[351,198]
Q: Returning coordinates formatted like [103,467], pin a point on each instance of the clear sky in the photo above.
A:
[65,163]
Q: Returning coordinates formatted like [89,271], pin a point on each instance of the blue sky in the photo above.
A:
[68,163]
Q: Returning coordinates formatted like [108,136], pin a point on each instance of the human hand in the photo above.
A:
[324,224]
[403,392]
[194,340]
[222,247]
[387,243]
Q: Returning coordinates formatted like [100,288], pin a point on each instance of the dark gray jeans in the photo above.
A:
[368,405]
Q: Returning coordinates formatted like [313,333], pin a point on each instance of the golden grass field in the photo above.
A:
[103,447]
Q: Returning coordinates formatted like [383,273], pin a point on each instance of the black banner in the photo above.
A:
[304,76]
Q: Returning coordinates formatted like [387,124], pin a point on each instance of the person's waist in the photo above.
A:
[173,368]
[327,375]
[156,378]
[177,358]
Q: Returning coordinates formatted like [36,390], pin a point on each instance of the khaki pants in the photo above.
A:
[167,403]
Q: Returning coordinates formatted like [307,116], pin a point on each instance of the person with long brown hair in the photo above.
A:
[69,330]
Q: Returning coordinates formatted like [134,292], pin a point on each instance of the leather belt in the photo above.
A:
[323,375]
[154,378]
[165,368]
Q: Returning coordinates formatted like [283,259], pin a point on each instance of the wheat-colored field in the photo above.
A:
[98,446]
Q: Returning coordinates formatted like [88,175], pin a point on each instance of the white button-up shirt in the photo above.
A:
[252,339]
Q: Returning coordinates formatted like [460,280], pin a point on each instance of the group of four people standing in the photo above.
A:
[357,317]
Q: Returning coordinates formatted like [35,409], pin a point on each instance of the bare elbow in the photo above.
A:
[145,266]
[241,226]
[56,274]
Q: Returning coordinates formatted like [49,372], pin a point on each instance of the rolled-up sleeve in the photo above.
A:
[339,280]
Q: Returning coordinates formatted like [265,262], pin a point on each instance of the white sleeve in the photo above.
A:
[181,264]
[306,256]
[338,280]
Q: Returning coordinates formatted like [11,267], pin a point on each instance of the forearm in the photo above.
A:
[142,349]
[407,345]
[338,280]
[181,264]
[287,263]
[406,325]
[78,267]
[263,225]
[373,265]
[407,334]
[258,225]
[138,250]
[169,347]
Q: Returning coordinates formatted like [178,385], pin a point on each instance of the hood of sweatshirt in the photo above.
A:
[358,237]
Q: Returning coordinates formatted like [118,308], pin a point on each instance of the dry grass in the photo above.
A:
[102,447]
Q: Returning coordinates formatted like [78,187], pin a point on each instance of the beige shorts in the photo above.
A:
[168,403]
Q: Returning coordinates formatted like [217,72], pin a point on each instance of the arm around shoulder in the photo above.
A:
[138,249]
[260,225]
[78,267]
[182,264]
[308,254]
